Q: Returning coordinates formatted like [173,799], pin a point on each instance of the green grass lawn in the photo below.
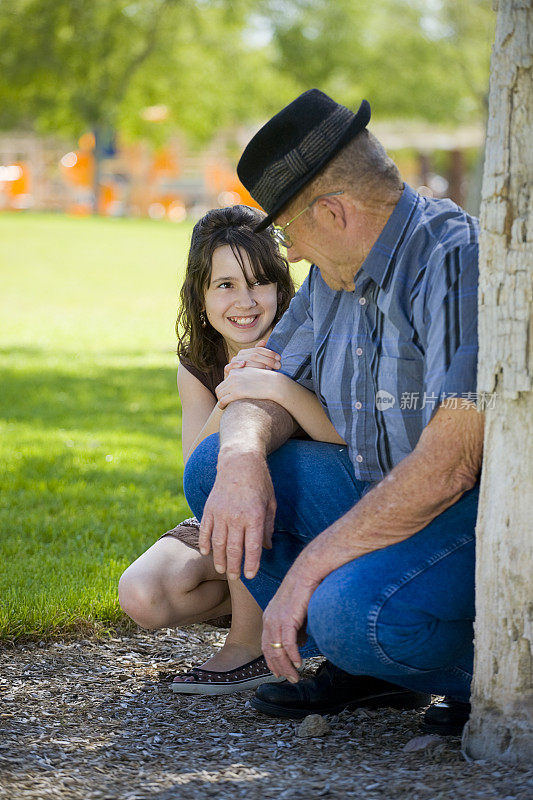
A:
[89,413]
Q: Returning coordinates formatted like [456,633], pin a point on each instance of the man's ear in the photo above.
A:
[334,212]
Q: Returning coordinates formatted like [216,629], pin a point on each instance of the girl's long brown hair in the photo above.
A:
[231,226]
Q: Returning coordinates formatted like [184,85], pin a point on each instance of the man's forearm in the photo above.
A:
[417,490]
[254,426]
[241,508]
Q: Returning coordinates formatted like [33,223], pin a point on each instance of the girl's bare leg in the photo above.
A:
[171,585]
[243,642]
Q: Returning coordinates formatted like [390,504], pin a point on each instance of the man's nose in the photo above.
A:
[293,255]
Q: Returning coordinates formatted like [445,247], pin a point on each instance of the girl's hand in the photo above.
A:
[258,356]
[248,382]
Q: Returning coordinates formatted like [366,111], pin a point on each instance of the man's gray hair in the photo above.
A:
[362,168]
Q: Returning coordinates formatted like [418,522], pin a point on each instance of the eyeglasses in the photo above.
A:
[278,231]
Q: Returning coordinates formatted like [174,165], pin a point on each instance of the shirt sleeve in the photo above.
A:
[449,334]
[293,336]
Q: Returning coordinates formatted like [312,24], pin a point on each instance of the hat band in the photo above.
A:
[295,164]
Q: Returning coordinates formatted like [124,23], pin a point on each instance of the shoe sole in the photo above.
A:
[398,700]
[212,689]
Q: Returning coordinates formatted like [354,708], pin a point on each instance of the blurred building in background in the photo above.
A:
[174,183]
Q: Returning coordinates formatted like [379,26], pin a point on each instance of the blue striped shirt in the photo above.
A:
[381,359]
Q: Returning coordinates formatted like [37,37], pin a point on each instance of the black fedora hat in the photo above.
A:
[294,145]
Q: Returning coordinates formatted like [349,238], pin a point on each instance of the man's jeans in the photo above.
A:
[404,613]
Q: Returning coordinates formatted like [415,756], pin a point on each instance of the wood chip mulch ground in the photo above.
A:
[85,719]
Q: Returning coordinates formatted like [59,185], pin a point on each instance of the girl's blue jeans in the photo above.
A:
[403,613]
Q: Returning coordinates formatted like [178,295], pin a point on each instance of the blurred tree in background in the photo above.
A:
[411,58]
[70,66]
[67,66]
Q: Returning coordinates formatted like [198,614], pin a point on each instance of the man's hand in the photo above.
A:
[283,618]
[239,514]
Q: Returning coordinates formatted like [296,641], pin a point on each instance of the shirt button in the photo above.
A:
[359,458]
[358,405]
[362,301]
[359,351]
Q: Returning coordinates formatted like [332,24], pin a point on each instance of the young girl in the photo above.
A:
[237,286]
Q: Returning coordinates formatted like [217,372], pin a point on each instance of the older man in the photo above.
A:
[373,543]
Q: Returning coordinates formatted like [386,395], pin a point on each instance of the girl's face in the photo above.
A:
[242,314]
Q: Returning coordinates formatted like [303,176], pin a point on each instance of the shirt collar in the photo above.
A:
[385,249]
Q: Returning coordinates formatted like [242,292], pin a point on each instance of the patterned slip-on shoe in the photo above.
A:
[209,682]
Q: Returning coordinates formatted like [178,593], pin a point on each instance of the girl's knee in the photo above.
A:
[138,598]
[155,591]
[143,597]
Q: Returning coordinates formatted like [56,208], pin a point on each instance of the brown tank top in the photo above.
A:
[212,377]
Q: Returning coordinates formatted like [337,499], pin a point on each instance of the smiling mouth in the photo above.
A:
[244,322]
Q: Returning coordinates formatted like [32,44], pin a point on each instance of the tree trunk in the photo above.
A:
[501,724]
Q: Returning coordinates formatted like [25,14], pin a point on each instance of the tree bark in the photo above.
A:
[501,724]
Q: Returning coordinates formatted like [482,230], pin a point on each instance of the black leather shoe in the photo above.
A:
[446,718]
[330,691]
